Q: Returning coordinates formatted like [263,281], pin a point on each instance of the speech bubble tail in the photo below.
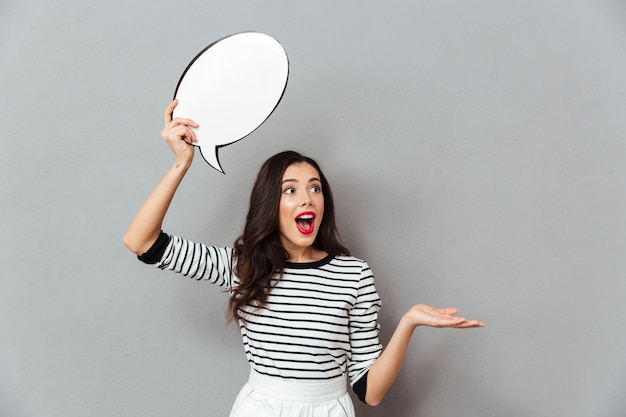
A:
[212,159]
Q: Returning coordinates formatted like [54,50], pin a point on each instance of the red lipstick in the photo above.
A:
[305,222]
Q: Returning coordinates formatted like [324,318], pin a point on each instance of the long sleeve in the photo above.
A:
[364,327]
[192,259]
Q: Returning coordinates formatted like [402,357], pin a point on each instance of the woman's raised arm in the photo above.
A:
[146,227]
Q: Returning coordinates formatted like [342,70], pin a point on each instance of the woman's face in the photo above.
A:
[301,207]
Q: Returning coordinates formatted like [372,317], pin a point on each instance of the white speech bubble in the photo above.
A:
[230,88]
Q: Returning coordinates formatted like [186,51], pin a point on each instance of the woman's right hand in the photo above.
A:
[178,134]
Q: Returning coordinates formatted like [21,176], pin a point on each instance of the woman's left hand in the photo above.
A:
[424,315]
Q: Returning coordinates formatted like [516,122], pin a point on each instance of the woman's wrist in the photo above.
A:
[182,164]
[407,323]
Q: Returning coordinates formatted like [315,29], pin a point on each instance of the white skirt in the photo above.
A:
[264,396]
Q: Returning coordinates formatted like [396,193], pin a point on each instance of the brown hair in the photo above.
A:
[258,253]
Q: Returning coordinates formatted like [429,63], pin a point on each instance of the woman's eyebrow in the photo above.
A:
[295,180]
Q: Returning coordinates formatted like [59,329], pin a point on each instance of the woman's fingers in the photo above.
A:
[169,120]
[470,324]
[167,115]
[183,121]
[175,133]
[449,311]
[191,138]
[179,128]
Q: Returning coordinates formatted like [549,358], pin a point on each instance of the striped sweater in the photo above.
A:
[320,320]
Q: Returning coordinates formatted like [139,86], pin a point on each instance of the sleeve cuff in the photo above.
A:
[360,387]
[156,251]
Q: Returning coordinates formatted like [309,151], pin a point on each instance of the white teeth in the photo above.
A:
[305,217]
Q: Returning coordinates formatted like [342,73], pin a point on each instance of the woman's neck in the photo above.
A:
[308,254]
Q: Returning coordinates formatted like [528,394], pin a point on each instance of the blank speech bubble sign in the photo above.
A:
[230,88]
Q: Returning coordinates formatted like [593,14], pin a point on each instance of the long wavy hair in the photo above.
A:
[258,253]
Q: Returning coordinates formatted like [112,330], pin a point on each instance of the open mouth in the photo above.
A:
[305,222]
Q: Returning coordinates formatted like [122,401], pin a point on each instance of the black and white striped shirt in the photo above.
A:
[320,320]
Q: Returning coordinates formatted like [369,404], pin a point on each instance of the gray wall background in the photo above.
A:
[476,151]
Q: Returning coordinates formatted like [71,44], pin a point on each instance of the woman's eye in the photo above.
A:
[316,189]
[288,190]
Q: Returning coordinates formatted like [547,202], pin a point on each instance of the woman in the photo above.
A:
[307,310]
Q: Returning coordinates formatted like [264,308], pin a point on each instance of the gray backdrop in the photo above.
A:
[476,150]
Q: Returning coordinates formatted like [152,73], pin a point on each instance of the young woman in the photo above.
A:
[307,310]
